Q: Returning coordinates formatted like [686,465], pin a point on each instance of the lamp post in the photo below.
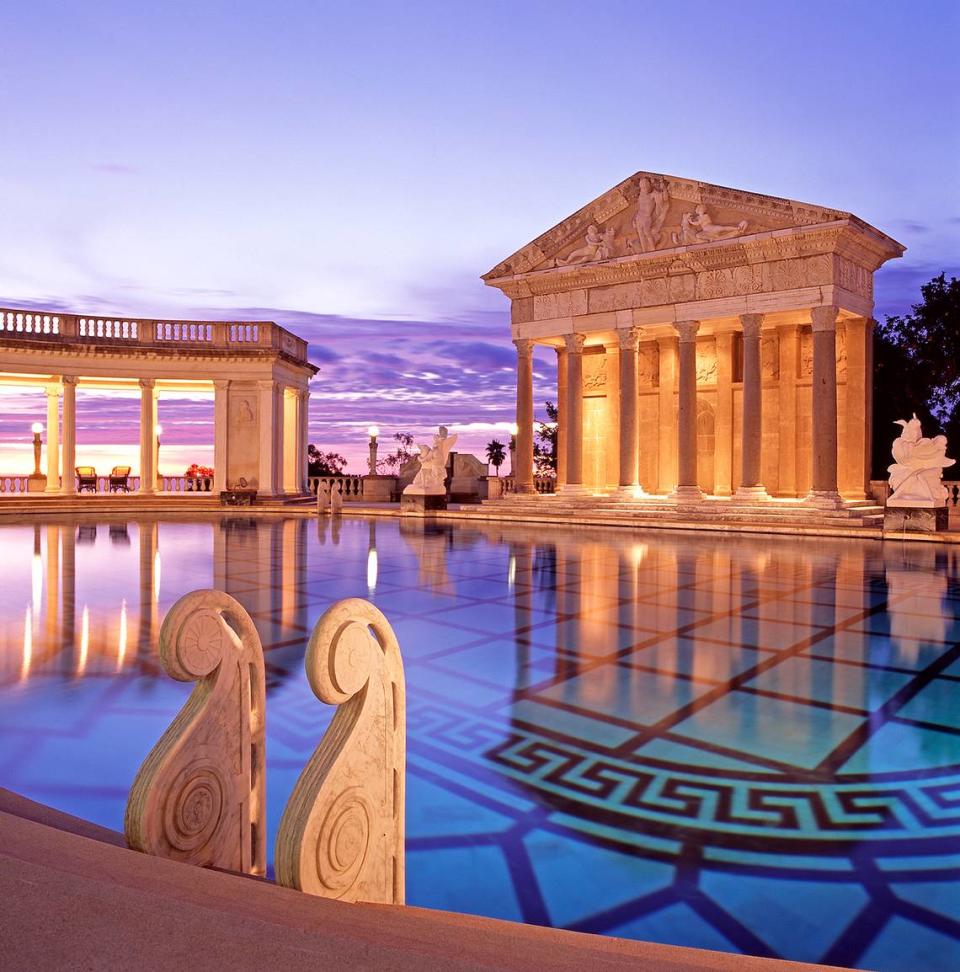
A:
[373,432]
[156,455]
[37,482]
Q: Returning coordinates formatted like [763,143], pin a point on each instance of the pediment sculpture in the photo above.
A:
[597,246]
[915,477]
[699,227]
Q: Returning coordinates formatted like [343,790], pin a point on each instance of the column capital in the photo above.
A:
[70,380]
[221,384]
[751,324]
[144,382]
[824,318]
[524,347]
[575,342]
[54,390]
[561,350]
[267,384]
[629,338]
[687,330]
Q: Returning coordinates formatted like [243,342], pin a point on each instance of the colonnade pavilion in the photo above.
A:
[257,371]
[711,343]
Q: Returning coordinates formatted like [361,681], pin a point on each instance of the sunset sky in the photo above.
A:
[350,169]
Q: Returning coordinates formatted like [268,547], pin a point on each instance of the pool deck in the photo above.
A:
[739,522]
[75,897]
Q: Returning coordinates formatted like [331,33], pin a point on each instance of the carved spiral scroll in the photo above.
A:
[199,796]
[342,833]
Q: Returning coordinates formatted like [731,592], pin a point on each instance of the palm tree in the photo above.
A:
[496,453]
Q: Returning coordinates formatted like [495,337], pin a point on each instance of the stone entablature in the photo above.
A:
[689,268]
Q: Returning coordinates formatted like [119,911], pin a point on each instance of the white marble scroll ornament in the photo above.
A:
[915,478]
[200,795]
[342,832]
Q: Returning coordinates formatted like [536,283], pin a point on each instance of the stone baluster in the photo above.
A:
[523,474]
[824,401]
[629,412]
[687,489]
[751,488]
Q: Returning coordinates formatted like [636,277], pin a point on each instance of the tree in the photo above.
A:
[917,368]
[400,456]
[545,443]
[324,463]
[496,453]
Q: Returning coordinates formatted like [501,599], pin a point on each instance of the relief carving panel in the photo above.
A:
[707,362]
[594,374]
[648,365]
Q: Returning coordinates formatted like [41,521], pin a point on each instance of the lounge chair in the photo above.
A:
[86,478]
[120,479]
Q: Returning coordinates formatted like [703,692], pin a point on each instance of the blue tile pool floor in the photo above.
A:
[748,745]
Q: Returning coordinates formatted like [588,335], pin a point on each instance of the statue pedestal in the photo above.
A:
[915,519]
[379,489]
[36,483]
[422,502]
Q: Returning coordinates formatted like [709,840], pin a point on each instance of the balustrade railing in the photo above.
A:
[29,325]
[351,487]
[13,484]
[187,484]
[542,484]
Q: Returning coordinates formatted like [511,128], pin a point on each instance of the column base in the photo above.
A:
[751,494]
[634,491]
[824,499]
[573,489]
[687,494]
[527,489]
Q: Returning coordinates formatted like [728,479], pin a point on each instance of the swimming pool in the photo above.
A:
[749,745]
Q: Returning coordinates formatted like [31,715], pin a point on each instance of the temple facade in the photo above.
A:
[710,342]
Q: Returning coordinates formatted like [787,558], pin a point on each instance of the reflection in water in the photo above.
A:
[765,727]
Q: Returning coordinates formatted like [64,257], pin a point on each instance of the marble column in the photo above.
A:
[221,433]
[574,483]
[611,466]
[562,416]
[824,395]
[788,343]
[751,488]
[667,414]
[69,434]
[859,407]
[629,412]
[687,488]
[523,474]
[267,473]
[304,415]
[148,435]
[53,437]
[723,439]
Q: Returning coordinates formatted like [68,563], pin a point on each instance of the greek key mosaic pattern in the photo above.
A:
[751,746]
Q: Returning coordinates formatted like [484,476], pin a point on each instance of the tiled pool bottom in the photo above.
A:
[745,745]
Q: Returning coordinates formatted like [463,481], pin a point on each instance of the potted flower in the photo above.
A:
[198,478]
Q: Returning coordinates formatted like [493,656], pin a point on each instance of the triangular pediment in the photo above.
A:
[651,212]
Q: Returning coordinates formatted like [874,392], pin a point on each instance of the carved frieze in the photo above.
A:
[595,374]
[854,278]
[841,352]
[806,352]
[707,362]
[648,365]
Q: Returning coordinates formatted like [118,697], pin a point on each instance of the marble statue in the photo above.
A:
[431,478]
[336,499]
[699,227]
[649,215]
[598,246]
[199,796]
[323,497]
[915,478]
[342,832]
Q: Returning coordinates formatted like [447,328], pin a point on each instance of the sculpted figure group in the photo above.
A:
[648,220]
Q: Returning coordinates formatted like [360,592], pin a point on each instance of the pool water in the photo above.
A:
[744,744]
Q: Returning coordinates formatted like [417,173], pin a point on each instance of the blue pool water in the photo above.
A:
[748,745]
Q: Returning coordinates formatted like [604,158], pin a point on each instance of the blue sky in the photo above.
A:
[350,169]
